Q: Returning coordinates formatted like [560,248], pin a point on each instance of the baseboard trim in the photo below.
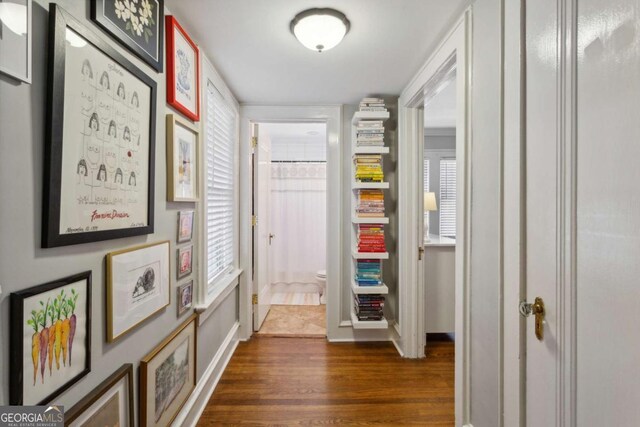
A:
[193,408]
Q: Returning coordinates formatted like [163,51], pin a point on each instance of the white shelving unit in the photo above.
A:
[355,220]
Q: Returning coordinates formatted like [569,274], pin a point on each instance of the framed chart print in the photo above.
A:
[183,71]
[167,376]
[138,286]
[100,148]
[138,25]
[182,160]
[185,226]
[185,297]
[109,404]
[50,339]
[15,38]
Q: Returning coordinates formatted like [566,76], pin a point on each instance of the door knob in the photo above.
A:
[537,309]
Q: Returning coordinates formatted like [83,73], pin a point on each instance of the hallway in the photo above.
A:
[308,381]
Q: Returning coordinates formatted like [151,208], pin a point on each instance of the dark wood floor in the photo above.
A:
[308,381]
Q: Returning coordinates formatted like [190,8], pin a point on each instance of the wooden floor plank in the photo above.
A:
[308,381]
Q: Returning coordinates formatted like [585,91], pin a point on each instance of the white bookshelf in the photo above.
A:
[355,221]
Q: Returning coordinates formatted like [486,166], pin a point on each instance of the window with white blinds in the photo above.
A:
[425,174]
[448,197]
[220,202]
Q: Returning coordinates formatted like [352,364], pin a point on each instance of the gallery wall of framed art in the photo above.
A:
[43,172]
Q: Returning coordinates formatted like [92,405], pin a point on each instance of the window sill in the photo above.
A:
[223,288]
[436,240]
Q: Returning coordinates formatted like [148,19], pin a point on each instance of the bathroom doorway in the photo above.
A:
[290,232]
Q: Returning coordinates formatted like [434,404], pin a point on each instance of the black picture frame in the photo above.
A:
[59,22]
[118,31]
[17,333]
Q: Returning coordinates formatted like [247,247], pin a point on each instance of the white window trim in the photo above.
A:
[211,295]
[434,156]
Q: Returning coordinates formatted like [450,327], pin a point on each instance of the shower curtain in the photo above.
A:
[298,221]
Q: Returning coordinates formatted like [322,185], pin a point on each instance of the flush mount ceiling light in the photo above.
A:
[320,29]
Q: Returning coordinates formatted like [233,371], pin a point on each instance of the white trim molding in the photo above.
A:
[193,408]
[332,116]
[456,46]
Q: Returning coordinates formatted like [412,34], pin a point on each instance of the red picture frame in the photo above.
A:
[173,98]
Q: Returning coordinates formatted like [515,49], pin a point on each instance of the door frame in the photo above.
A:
[332,116]
[456,45]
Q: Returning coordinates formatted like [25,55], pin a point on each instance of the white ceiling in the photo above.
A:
[440,111]
[250,44]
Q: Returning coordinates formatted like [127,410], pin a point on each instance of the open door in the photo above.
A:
[261,230]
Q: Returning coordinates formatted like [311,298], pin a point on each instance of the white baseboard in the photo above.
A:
[193,408]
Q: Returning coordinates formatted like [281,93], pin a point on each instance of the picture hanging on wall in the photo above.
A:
[182,160]
[185,258]
[167,376]
[137,286]
[138,25]
[185,226]
[109,404]
[183,71]
[15,38]
[185,297]
[99,156]
[50,339]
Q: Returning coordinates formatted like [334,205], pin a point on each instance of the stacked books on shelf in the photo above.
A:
[368,272]
[371,238]
[372,104]
[370,204]
[369,307]
[370,133]
[368,167]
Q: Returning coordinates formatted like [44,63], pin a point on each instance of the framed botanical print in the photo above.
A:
[182,160]
[185,297]
[109,404]
[136,25]
[50,339]
[185,258]
[183,71]
[99,156]
[167,376]
[138,286]
[15,38]
[185,226]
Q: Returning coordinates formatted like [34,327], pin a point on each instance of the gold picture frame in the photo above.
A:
[183,160]
[135,275]
[175,357]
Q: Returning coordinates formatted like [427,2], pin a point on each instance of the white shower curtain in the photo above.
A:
[298,221]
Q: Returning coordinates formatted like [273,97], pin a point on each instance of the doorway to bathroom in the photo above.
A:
[290,228]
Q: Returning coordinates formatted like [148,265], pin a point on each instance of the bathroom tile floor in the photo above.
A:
[295,321]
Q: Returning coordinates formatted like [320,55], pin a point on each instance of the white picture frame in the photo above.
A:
[16,40]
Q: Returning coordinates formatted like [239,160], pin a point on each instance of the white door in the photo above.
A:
[583,212]
[261,232]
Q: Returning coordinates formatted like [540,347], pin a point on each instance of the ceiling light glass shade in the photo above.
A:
[320,29]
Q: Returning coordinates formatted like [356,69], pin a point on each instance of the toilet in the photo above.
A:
[321,278]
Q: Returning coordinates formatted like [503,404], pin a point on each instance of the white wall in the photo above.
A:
[24,264]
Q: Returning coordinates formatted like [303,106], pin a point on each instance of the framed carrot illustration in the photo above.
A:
[50,339]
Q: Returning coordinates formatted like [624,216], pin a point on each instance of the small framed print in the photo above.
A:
[109,404]
[185,297]
[138,286]
[168,376]
[182,160]
[185,258]
[15,39]
[185,226]
[183,71]
[50,339]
